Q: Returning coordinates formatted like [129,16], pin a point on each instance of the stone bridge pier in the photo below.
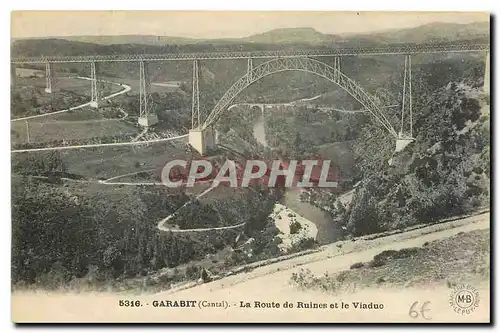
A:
[202,140]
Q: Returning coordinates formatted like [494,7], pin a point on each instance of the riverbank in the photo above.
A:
[293,227]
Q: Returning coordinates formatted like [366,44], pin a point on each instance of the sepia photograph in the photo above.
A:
[250,167]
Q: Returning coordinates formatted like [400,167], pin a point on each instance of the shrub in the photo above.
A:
[304,244]
[377,262]
[342,276]
[295,227]
[305,279]
[385,256]
[192,271]
[357,265]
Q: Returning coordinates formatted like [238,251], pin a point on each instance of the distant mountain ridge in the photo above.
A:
[289,36]
[433,32]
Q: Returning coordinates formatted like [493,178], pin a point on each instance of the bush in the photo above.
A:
[295,227]
[304,244]
[357,265]
[305,279]
[377,262]
[385,256]
[192,272]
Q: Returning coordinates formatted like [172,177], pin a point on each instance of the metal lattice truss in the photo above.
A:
[195,103]
[406,132]
[145,99]
[306,65]
[336,63]
[50,78]
[95,92]
[249,69]
[326,52]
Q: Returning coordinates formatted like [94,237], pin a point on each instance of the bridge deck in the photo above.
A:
[330,52]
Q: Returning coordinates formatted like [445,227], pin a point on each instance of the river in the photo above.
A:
[328,232]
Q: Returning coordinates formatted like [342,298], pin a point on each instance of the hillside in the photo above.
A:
[277,36]
[445,263]
[290,36]
[431,33]
[130,39]
[434,32]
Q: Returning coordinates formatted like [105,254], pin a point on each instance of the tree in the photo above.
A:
[364,218]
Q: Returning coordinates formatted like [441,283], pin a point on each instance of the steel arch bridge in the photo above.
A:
[304,64]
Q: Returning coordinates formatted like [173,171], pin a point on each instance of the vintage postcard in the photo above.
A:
[219,167]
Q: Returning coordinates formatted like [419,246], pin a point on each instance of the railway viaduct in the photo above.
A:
[201,135]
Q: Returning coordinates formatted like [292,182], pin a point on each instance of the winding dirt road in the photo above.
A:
[163,227]
[126,88]
[132,143]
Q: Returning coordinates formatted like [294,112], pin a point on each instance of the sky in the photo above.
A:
[204,24]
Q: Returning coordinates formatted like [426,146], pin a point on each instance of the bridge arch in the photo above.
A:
[303,64]
[252,106]
[257,107]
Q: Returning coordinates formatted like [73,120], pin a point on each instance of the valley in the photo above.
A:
[90,211]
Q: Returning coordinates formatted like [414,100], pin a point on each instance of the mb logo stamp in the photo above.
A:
[464,299]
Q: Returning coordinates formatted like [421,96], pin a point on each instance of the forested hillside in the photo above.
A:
[62,233]
[445,172]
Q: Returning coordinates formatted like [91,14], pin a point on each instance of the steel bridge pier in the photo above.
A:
[50,79]
[200,138]
[147,115]
[405,135]
[95,92]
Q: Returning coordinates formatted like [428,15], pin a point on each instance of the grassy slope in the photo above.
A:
[106,162]
[462,258]
[73,130]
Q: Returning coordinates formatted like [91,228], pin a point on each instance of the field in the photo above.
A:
[107,162]
[65,84]
[28,73]
[46,130]
[83,123]
[158,87]
[87,123]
